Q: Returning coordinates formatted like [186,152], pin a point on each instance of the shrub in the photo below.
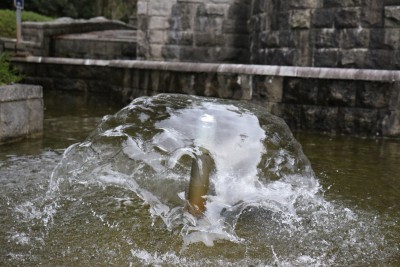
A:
[8,74]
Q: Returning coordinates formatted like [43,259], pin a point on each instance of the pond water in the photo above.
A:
[347,215]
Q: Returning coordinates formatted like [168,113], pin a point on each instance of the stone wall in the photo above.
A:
[197,31]
[348,107]
[38,36]
[328,33]
[321,33]
[360,102]
[112,44]
[21,112]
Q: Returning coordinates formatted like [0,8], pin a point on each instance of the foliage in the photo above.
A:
[8,21]
[7,73]
[115,9]
[66,8]
[56,8]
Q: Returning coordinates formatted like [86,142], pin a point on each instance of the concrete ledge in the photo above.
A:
[265,70]
[21,112]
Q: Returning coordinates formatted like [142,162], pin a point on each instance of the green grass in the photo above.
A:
[8,21]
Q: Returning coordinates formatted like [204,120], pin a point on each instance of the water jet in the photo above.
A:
[199,183]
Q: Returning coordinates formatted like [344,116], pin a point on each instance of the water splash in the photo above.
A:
[147,147]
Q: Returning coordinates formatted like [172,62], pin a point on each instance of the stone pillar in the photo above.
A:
[21,112]
[194,30]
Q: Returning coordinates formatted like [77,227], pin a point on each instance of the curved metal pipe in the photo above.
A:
[199,183]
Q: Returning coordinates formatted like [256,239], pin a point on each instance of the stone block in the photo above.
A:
[211,85]
[380,59]
[156,51]
[304,4]
[396,60]
[159,8]
[323,18]
[216,9]
[353,58]
[268,89]
[269,39]
[283,20]
[171,52]
[227,85]
[377,39]
[281,56]
[246,83]
[239,11]
[208,24]
[236,40]
[388,38]
[392,16]
[300,91]
[375,95]
[141,7]
[325,38]
[229,54]
[372,17]
[337,93]
[143,22]
[300,19]
[392,38]
[322,119]
[208,39]
[346,121]
[158,37]
[293,116]
[158,23]
[21,112]
[259,6]
[286,39]
[391,124]
[180,37]
[234,26]
[367,122]
[341,3]
[348,17]
[181,23]
[196,54]
[354,38]
[360,122]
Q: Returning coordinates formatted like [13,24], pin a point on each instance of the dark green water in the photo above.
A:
[361,175]
[365,172]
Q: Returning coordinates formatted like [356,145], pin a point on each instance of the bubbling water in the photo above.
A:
[147,147]
[264,197]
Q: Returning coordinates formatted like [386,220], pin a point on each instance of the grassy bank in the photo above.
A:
[8,21]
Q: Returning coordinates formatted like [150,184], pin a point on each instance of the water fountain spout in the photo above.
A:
[202,166]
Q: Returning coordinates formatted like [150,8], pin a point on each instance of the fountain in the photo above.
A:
[120,196]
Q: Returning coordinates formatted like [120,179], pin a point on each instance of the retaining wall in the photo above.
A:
[38,36]
[349,101]
[320,33]
[329,33]
[111,44]
[21,112]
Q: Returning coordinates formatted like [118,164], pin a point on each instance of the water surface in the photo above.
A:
[352,220]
